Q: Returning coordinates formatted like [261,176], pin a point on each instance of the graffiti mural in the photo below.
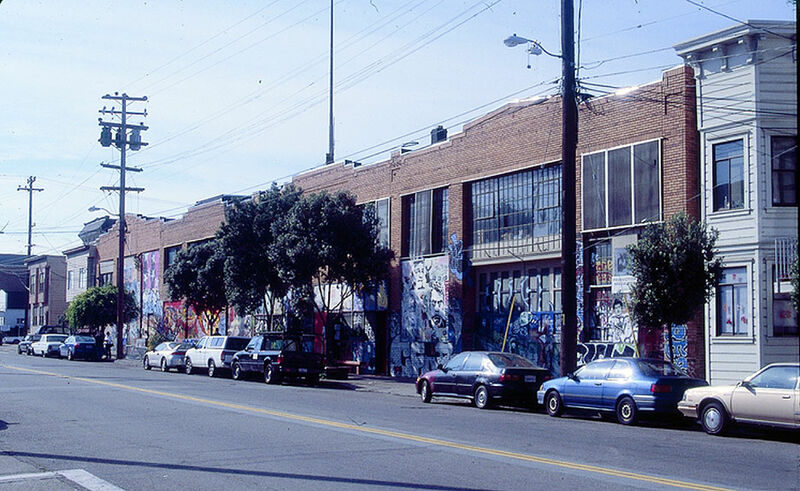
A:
[456,252]
[132,336]
[595,351]
[151,281]
[429,329]
[680,348]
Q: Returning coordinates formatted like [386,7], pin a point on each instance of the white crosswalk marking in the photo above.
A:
[77,476]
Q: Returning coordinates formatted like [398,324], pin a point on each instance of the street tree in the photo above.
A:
[252,272]
[675,271]
[331,243]
[197,277]
[97,307]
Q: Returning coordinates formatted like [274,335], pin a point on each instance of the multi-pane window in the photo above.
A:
[171,254]
[538,290]
[600,298]
[728,175]
[82,278]
[381,210]
[784,170]
[517,212]
[426,218]
[733,312]
[621,186]
[41,281]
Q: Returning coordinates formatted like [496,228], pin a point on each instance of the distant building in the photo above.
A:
[13,301]
[747,118]
[47,296]
[82,260]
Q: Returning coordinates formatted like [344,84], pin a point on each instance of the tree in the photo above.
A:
[330,241]
[676,272]
[197,276]
[252,273]
[97,307]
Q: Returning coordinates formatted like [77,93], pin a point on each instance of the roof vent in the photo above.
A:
[438,134]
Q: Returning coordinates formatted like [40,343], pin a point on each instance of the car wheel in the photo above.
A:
[270,376]
[482,399]
[626,411]
[189,368]
[43,353]
[425,391]
[164,367]
[236,371]
[146,362]
[212,368]
[553,403]
[714,418]
[19,350]
[70,355]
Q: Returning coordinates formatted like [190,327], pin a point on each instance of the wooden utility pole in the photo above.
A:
[569,140]
[122,141]
[30,189]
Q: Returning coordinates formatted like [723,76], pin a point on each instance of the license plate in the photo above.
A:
[530,378]
[302,370]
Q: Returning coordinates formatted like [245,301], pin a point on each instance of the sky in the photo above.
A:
[237,91]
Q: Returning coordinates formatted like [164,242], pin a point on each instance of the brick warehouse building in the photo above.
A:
[150,247]
[474,221]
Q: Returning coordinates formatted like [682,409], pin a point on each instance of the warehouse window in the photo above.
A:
[621,186]
[425,222]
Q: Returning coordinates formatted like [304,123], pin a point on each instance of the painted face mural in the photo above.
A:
[430,330]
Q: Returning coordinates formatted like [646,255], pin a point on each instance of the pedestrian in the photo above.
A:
[107,344]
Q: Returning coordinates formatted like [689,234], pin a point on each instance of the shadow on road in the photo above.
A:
[239,472]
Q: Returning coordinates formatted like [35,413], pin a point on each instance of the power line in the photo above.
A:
[745,23]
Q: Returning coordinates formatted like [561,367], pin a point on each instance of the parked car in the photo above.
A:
[48,345]
[622,386]
[484,377]
[213,353]
[24,346]
[278,357]
[80,346]
[169,354]
[771,396]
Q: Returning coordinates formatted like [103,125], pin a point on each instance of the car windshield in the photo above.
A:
[56,339]
[84,339]
[655,368]
[173,345]
[509,360]
[236,343]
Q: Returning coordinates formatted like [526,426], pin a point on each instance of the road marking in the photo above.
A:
[394,434]
[77,476]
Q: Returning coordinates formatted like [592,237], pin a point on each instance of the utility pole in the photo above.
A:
[569,140]
[122,140]
[329,155]
[30,189]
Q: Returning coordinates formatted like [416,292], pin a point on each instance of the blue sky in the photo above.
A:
[238,89]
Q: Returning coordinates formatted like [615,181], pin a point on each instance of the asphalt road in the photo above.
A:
[80,425]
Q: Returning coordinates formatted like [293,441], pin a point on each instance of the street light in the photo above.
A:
[569,137]
[100,208]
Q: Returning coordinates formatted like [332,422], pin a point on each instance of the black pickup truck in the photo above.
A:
[278,357]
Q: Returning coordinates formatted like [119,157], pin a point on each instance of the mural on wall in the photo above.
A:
[132,335]
[428,331]
[680,348]
[151,281]
[456,253]
[595,351]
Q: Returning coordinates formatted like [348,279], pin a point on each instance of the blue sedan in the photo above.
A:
[622,386]
[78,346]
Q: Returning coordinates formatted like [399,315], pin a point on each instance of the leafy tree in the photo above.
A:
[252,273]
[97,307]
[330,240]
[675,270]
[197,276]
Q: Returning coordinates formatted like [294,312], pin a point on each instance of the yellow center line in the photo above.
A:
[392,434]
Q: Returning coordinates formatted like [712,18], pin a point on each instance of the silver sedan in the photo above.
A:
[166,355]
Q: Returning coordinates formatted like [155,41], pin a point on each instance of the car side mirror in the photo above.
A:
[572,376]
[249,348]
